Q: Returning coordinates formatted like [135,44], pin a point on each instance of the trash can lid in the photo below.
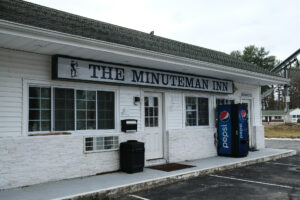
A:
[132,141]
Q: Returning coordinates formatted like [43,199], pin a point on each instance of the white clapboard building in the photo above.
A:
[295,115]
[67,81]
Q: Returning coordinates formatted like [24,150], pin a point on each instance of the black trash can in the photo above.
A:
[132,156]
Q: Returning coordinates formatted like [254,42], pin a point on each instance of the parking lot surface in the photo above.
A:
[279,179]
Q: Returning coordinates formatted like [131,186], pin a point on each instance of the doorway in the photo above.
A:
[153,124]
[252,139]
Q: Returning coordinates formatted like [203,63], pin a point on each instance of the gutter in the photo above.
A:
[27,31]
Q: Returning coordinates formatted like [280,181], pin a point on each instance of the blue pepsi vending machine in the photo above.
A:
[233,137]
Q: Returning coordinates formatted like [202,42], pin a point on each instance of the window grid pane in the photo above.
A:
[101,143]
[87,114]
[85,109]
[39,109]
[191,115]
[197,111]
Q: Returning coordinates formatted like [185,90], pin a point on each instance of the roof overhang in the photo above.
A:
[43,41]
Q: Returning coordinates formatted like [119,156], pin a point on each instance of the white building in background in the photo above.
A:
[66,82]
[295,115]
[273,117]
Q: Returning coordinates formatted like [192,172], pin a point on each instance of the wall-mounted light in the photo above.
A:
[136,100]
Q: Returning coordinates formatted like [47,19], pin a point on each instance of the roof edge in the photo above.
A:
[13,26]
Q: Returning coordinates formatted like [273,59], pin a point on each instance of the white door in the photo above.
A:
[252,139]
[153,125]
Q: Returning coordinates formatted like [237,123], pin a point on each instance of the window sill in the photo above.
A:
[48,134]
[199,127]
[101,151]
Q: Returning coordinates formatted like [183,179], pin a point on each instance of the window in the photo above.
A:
[277,117]
[72,109]
[85,109]
[93,144]
[151,111]
[106,110]
[294,116]
[64,109]
[224,102]
[196,111]
[39,109]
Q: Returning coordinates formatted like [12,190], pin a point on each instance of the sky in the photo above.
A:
[222,25]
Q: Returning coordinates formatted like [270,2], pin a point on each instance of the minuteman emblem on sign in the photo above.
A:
[74,68]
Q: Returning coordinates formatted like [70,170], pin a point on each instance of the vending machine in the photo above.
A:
[233,136]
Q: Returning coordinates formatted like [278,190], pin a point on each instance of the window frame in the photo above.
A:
[28,108]
[75,88]
[208,97]
[94,143]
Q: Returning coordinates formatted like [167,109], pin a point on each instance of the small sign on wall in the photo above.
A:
[246,94]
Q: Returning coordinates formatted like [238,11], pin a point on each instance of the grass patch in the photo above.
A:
[282,131]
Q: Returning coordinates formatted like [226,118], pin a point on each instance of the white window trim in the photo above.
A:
[209,109]
[29,83]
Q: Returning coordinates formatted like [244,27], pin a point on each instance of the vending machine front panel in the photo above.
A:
[243,146]
[224,130]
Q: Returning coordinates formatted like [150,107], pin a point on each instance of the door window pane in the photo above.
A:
[151,111]
[64,109]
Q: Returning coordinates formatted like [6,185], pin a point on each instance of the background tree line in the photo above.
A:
[260,57]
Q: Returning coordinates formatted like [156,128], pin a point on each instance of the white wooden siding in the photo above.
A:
[174,108]
[127,108]
[15,66]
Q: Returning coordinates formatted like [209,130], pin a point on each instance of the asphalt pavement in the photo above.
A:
[279,179]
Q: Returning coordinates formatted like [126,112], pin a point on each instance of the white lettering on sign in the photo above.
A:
[225,136]
[84,70]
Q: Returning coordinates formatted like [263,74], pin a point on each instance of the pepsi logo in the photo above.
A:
[224,116]
[243,114]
